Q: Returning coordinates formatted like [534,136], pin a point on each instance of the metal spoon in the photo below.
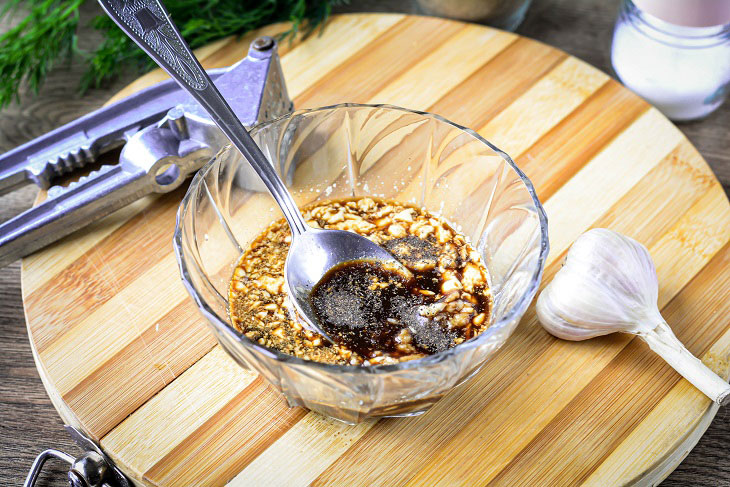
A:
[313,251]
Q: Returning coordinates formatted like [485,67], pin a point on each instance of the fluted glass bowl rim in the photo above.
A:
[517,310]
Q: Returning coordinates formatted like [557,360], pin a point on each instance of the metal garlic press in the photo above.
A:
[165,135]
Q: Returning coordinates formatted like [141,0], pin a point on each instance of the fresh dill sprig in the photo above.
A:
[28,50]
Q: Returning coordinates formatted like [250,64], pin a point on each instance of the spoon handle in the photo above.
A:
[148,24]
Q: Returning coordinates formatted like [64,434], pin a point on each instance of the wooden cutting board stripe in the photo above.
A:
[122,246]
[498,83]
[466,65]
[377,65]
[579,137]
[173,344]
[193,417]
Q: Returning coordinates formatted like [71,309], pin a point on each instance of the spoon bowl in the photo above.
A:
[313,253]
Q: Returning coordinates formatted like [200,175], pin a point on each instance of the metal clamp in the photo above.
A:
[92,469]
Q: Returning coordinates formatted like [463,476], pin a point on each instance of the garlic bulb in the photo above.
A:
[608,284]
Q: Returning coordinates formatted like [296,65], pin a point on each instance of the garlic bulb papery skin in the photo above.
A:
[608,284]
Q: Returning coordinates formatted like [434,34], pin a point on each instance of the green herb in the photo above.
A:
[29,50]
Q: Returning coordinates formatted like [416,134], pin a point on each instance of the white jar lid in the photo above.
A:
[690,13]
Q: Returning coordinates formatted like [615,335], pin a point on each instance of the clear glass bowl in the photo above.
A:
[352,151]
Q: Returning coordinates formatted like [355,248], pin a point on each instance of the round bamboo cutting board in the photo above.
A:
[126,357]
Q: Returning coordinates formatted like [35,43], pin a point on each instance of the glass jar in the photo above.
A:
[684,70]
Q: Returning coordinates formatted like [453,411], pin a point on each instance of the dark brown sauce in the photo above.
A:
[364,306]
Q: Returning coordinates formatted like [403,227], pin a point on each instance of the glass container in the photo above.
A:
[681,66]
[502,14]
[356,151]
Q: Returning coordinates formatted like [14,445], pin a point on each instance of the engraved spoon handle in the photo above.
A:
[148,24]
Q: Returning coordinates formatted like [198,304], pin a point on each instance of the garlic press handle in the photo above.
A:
[68,209]
[156,160]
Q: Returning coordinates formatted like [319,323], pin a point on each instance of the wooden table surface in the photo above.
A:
[30,424]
